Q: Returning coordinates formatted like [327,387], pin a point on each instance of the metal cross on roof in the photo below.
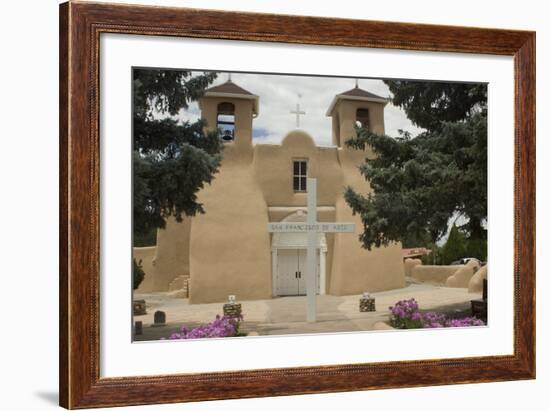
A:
[298,112]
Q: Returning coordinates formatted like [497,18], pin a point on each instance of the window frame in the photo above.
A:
[301,176]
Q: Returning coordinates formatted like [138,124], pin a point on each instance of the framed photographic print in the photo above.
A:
[258,205]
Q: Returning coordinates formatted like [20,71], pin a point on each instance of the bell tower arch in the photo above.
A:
[230,109]
[355,107]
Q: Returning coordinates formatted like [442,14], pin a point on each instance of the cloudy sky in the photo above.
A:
[279,94]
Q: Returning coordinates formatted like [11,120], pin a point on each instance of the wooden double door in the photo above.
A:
[291,272]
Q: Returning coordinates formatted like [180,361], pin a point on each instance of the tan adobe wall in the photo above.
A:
[476,282]
[172,257]
[347,109]
[230,246]
[147,257]
[273,170]
[461,278]
[409,264]
[434,273]
[243,119]
[355,269]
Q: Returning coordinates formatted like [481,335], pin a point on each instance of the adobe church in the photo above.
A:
[229,251]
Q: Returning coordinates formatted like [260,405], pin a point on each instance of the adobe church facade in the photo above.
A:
[228,250]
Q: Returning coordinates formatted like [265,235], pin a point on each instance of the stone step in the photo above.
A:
[180,283]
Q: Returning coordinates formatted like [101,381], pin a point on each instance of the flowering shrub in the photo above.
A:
[406,315]
[434,320]
[464,322]
[226,326]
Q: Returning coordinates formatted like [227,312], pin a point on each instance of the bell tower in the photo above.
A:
[230,109]
[355,107]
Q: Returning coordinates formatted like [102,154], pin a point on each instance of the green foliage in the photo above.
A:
[477,248]
[420,183]
[416,239]
[434,257]
[138,273]
[455,247]
[145,239]
[172,160]
[430,105]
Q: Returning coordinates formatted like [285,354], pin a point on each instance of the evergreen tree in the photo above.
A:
[172,160]
[418,184]
[455,247]
[477,248]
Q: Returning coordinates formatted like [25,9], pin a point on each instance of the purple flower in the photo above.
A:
[464,322]
[405,314]
[226,326]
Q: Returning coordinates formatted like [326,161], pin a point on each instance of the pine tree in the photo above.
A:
[419,184]
[455,247]
[172,160]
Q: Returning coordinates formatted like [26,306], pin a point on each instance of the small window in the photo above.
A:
[362,118]
[226,121]
[299,176]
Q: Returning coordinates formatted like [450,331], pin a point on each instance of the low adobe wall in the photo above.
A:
[147,256]
[461,278]
[434,273]
[476,282]
[410,263]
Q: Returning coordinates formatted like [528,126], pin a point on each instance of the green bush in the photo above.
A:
[458,246]
[455,247]
[145,238]
[434,257]
[139,274]
[476,247]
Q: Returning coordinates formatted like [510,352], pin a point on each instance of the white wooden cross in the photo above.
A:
[312,228]
[298,112]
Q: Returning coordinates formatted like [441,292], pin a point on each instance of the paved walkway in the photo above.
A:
[287,315]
